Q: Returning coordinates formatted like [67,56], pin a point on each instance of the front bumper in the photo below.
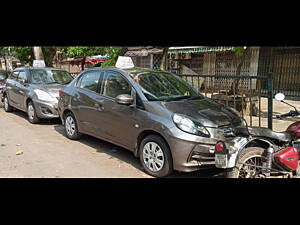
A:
[191,152]
[46,110]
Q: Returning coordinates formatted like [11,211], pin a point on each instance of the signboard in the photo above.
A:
[39,63]
[124,62]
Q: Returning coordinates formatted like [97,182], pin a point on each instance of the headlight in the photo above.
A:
[188,125]
[44,96]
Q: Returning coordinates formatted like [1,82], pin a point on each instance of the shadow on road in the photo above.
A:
[24,116]
[124,155]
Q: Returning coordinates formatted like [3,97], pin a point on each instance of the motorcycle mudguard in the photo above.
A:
[238,147]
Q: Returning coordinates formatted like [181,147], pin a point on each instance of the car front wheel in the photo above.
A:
[6,106]
[155,156]
[32,116]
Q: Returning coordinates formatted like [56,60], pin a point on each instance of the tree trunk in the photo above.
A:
[38,53]
[5,63]
[164,61]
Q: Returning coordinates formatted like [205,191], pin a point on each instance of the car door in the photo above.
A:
[21,89]
[86,100]
[117,120]
[11,88]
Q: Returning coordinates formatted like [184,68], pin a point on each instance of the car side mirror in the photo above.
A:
[124,99]
[23,82]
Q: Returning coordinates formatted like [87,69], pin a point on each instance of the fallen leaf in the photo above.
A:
[3,145]
[18,144]
[94,152]
[19,152]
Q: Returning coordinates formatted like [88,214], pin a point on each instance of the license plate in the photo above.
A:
[221,160]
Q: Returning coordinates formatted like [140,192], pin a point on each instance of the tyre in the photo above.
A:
[71,127]
[6,105]
[31,112]
[155,156]
[252,155]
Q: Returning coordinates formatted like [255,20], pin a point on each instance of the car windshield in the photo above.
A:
[163,86]
[3,75]
[48,76]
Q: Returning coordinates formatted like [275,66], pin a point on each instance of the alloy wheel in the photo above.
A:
[153,156]
[5,103]
[70,125]
[31,112]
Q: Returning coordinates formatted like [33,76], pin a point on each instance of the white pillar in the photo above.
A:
[254,64]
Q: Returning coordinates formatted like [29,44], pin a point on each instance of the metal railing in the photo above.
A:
[244,93]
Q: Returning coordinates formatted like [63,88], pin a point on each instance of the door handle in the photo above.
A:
[99,107]
[21,92]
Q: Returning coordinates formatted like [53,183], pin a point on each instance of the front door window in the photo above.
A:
[115,84]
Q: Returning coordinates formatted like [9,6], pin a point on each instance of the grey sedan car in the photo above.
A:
[155,114]
[35,91]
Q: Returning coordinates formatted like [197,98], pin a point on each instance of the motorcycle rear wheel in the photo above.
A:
[252,155]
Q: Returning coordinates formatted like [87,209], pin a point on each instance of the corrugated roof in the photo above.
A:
[144,52]
[195,49]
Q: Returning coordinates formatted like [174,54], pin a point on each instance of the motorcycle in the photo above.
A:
[258,152]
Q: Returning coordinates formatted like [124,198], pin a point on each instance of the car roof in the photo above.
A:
[128,70]
[31,67]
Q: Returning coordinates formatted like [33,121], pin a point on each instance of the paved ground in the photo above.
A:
[46,152]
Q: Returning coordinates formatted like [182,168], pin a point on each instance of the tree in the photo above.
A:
[24,54]
[113,54]
[38,53]
[84,51]
[164,61]
[241,52]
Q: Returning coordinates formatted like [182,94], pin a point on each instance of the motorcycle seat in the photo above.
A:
[264,132]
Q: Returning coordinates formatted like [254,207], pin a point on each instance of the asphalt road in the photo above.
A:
[43,151]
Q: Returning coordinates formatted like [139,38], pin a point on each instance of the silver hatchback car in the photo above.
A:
[155,114]
[35,91]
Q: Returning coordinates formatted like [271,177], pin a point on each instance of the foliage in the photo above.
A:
[239,50]
[113,54]
[24,54]
[83,51]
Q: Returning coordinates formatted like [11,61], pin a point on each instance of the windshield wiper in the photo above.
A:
[178,98]
[196,97]
[54,82]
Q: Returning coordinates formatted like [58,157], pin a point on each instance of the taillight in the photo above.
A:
[220,146]
[60,92]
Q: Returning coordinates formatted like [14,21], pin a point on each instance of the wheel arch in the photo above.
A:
[142,135]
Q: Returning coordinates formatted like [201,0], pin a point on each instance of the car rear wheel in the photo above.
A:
[31,112]
[6,106]
[155,156]
[71,128]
